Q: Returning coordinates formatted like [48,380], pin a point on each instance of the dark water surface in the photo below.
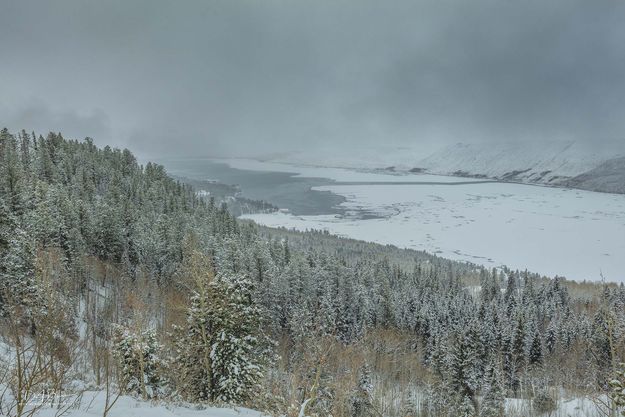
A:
[282,189]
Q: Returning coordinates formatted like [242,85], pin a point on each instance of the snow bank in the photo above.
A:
[93,404]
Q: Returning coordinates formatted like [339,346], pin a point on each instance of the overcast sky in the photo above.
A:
[245,77]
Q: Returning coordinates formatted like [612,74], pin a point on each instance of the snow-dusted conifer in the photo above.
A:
[362,400]
[493,399]
[138,356]
[221,352]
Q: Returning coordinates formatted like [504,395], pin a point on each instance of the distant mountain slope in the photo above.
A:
[561,163]
[608,177]
[547,163]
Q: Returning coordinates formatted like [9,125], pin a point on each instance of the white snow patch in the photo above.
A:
[93,403]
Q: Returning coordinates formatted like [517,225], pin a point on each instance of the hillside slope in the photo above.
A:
[608,177]
[560,163]
[547,163]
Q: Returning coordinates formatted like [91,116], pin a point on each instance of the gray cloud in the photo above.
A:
[245,76]
[35,115]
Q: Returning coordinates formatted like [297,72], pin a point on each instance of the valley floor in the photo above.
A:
[552,231]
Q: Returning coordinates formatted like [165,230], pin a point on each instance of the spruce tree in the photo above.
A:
[463,369]
[535,354]
[493,400]
[551,337]
[517,353]
[222,352]
[362,400]
[18,287]
[138,357]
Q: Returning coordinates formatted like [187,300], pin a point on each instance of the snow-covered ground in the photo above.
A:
[571,407]
[553,231]
[92,404]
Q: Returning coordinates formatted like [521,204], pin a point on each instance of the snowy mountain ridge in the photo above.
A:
[552,162]
[549,163]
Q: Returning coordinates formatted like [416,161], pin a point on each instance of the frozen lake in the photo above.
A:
[552,231]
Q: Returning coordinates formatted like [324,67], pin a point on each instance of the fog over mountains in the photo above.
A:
[558,163]
[249,77]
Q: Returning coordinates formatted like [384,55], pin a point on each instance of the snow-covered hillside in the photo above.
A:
[608,177]
[553,163]
[549,162]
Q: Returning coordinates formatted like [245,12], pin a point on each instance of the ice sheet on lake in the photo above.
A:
[553,231]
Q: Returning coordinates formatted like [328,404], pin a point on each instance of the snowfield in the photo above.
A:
[130,407]
[553,231]
[92,404]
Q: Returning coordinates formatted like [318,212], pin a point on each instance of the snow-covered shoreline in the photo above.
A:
[554,231]
[552,163]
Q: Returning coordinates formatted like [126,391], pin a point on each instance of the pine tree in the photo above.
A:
[12,185]
[362,400]
[602,341]
[465,406]
[221,351]
[517,353]
[138,357]
[551,337]
[511,287]
[17,271]
[464,373]
[535,354]
[617,389]
[493,401]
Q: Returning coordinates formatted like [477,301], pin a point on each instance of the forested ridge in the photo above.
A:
[122,277]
